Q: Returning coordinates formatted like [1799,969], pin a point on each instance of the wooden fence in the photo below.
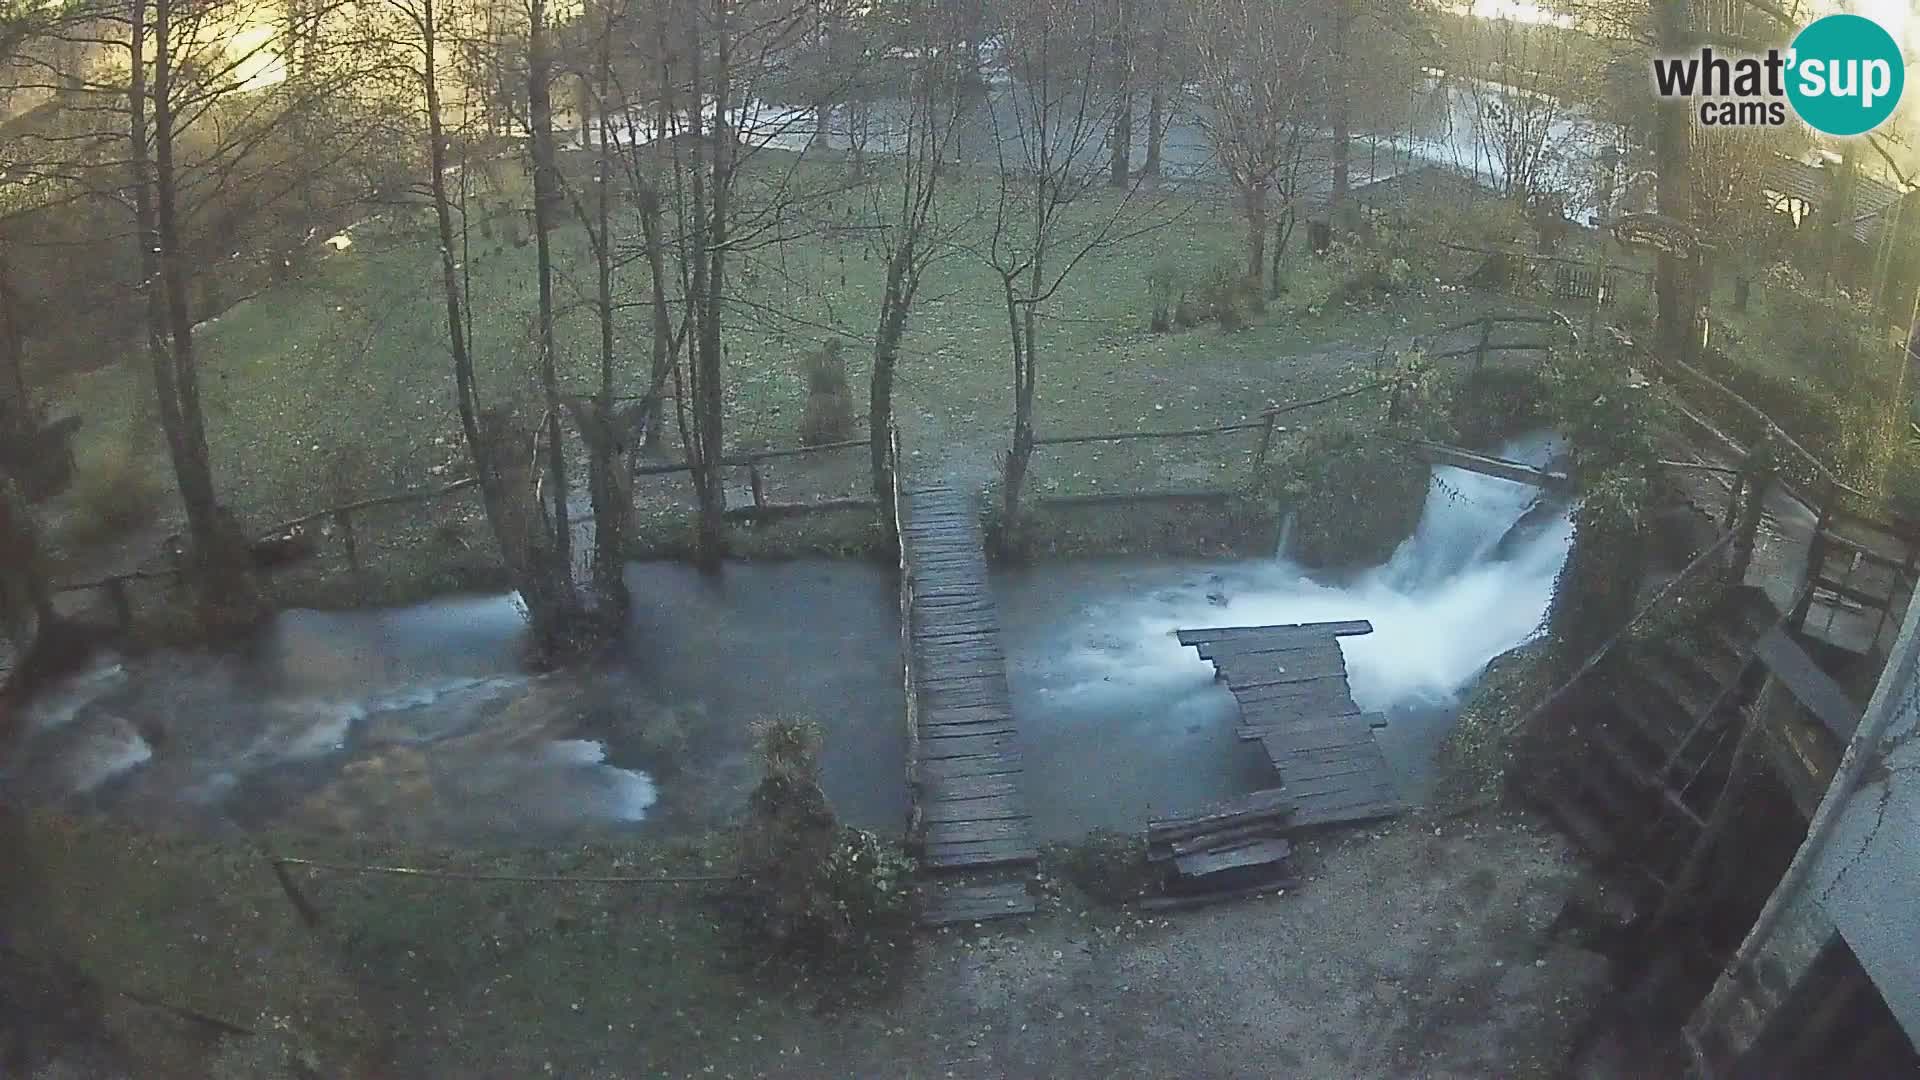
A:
[346,524]
[1487,326]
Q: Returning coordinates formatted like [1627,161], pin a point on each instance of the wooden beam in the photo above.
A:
[1810,686]
[1501,468]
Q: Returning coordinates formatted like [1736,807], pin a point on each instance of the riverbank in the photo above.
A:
[1427,946]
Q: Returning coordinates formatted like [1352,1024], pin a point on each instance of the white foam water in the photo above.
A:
[1473,581]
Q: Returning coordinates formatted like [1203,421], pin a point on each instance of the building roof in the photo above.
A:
[1873,199]
[1422,183]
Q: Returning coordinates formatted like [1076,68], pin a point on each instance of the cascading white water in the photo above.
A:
[1473,581]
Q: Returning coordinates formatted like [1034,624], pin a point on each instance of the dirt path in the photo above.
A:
[1421,948]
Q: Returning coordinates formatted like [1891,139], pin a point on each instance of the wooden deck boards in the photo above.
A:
[968,810]
[1291,685]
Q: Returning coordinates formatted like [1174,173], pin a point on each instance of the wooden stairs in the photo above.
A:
[1636,783]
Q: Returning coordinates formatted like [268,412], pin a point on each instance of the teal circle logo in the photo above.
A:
[1845,74]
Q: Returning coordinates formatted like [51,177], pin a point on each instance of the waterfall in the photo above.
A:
[1473,581]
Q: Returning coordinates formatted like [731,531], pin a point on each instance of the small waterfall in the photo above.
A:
[1473,581]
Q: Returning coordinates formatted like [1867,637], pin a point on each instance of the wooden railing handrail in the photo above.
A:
[1123,436]
[1700,561]
[753,457]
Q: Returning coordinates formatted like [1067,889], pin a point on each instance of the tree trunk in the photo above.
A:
[886,357]
[1157,98]
[1254,198]
[1839,214]
[706,297]
[217,562]
[1156,131]
[546,194]
[1338,109]
[13,365]
[1282,234]
[1120,138]
[1673,186]
[651,227]
[612,505]
[1023,328]
[505,509]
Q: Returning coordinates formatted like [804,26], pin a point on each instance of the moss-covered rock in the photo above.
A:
[1353,496]
[1489,406]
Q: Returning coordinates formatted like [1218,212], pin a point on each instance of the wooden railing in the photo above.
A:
[764,508]
[1488,323]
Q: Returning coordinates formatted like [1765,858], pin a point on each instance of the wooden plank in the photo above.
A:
[1263,801]
[1281,745]
[971,787]
[995,853]
[952,811]
[1197,900]
[1250,853]
[939,770]
[1809,685]
[1328,695]
[1373,783]
[1222,633]
[1193,845]
[964,714]
[975,832]
[960,731]
[1499,468]
[1296,770]
[964,746]
[975,903]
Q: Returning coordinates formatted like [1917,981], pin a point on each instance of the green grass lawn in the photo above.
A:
[339,385]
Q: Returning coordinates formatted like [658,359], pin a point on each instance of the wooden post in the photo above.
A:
[1486,337]
[1743,766]
[301,906]
[1816,556]
[343,520]
[1266,446]
[122,607]
[1733,501]
[1749,527]
[758,484]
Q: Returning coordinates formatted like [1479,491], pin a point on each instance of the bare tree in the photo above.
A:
[1524,123]
[907,213]
[1046,218]
[497,451]
[607,487]
[1256,65]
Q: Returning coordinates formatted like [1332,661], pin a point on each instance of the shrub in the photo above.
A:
[1365,271]
[1493,404]
[1827,332]
[827,415]
[1226,296]
[1187,312]
[1163,283]
[1607,418]
[112,493]
[1354,496]
[832,898]
[1109,867]
[1594,596]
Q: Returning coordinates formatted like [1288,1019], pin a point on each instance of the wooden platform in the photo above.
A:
[1291,684]
[968,812]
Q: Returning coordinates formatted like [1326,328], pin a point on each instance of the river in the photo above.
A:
[422,722]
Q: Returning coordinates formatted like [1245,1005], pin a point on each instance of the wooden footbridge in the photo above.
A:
[968,817]
[1291,684]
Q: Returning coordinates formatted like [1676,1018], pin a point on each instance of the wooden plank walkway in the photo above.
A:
[1291,684]
[968,812]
